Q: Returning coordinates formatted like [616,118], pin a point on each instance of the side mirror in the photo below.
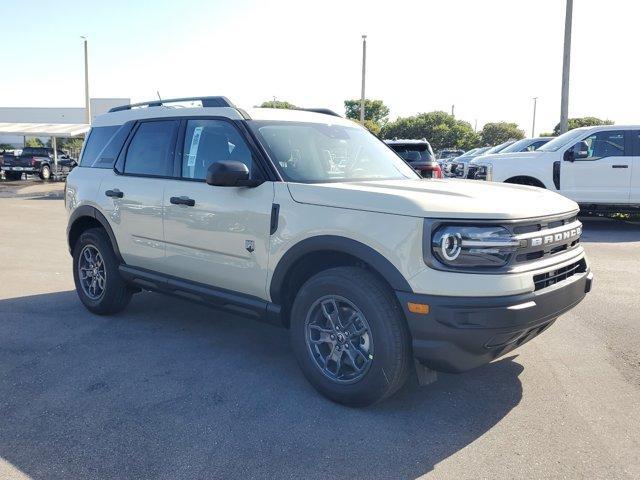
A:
[569,155]
[581,150]
[229,173]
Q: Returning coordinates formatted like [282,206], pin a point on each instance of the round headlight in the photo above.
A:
[451,245]
[473,246]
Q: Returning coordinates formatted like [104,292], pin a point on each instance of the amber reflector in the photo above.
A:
[420,308]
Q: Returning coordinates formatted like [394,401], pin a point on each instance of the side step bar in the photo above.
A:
[216,297]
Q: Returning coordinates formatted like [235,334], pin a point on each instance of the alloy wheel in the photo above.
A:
[92,272]
[339,339]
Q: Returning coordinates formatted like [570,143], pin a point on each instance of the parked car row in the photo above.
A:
[598,167]
[36,161]
[460,165]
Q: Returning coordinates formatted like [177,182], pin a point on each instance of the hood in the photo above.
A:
[507,156]
[434,198]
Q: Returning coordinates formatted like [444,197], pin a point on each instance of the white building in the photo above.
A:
[53,116]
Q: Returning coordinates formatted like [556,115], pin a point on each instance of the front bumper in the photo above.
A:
[461,333]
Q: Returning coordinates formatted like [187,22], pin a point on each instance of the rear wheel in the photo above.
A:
[13,175]
[96,275]
[45,172]
[350,337]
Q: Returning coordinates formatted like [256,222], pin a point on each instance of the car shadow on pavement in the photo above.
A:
[169,389]
[609,230]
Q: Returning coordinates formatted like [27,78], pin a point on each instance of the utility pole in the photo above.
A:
[475,126]
[453,110]
[566,63]
[364,68]
[87,103]
[533,127]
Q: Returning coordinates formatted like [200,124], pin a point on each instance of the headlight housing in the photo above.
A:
[471,246]
[484,172]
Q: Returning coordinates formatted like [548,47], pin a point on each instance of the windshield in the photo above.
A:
[564,139]
[474,152]
[518,146]
[499,148]
[316,152]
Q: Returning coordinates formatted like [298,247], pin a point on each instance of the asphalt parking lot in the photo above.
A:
[168,389]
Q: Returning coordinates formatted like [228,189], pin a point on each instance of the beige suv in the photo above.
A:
[305,219]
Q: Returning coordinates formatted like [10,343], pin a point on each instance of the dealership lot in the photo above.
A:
[168,389]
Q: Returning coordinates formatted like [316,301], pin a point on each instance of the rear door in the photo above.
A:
[634,195]
[221,238]
[131,196]
[604,176]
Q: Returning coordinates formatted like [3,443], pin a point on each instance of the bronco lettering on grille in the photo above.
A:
[556,237]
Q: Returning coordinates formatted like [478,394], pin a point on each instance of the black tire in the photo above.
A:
[116,294]
[13,175]
[45,172]
[391,347]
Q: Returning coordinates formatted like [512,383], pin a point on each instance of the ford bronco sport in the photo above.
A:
[307,220]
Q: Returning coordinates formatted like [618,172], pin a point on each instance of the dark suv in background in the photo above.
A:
[37,161]
[418,154]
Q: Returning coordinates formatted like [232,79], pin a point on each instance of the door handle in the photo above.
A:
[619,166]
[114,193]
[189,202]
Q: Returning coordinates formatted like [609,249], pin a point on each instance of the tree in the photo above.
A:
[373,127]
[439,128]
[582,122]
[374,110]
[33,142]
[500,132]
[278,104]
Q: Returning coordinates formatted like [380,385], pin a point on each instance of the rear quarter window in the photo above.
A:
[95,143]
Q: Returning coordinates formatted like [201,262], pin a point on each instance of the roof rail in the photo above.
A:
[206,102]
[324,111]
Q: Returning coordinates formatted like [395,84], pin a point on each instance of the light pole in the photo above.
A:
[533,127]
[566,62]
[87,103]
[364,68]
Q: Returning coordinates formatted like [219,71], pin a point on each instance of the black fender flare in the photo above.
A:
[334,243]
[84,211]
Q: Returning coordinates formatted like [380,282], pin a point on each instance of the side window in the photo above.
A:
[151,149]
[609,143]
[535,145]
[95,142]
[209,141]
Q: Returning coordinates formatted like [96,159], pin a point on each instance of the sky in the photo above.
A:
[489,58]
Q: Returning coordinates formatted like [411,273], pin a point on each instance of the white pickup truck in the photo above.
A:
[598,167]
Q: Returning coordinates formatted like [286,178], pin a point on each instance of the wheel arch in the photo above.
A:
[314,254]
[84,218]
[524,179]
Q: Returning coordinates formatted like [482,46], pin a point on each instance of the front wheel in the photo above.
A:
[96,275]
[350,337]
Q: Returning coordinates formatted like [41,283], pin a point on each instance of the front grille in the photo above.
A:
[529,252]
[471,172]
[544,280]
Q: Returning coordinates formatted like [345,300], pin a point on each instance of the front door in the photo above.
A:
[218,236]
[604,176]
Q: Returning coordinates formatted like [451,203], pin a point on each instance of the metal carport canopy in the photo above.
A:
[60,130]
[53,130]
